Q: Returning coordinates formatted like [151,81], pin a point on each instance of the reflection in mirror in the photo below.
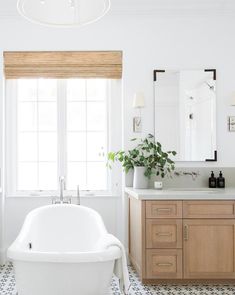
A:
[185,113]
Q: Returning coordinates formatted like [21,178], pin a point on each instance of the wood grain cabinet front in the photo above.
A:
[209,209]
[163,209]
[164,264]
[209,247]
[166,233]
[187,240]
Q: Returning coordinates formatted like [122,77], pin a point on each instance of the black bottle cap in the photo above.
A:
[212,174]
[221,174]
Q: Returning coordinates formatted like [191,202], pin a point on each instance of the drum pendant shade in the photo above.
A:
[63,13]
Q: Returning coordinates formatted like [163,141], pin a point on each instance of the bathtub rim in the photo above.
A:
[35,211]
[112,253]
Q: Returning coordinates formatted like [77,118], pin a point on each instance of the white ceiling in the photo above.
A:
[151,7]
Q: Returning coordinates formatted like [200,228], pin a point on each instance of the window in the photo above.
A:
[54,128]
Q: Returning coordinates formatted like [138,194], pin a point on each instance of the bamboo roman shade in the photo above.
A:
[63,64]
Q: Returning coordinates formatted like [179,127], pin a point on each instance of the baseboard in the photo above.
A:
[3,256]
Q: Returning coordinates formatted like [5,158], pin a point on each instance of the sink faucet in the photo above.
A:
[62,188]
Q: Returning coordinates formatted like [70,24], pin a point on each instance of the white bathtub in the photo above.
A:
[57,253]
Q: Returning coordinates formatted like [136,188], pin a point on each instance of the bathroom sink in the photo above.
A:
[193,190]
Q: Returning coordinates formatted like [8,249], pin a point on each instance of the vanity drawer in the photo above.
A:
[163,209]
[166,233]
[164,264]
[208,209]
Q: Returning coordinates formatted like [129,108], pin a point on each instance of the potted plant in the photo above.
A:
[147,159]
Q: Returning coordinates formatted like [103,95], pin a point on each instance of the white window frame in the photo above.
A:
[113,117]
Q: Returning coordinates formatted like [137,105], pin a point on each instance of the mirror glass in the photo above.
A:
[185,113]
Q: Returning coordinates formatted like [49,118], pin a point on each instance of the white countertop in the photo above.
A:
[182,194]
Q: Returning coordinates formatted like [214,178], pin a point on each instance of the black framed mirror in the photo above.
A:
[185,113]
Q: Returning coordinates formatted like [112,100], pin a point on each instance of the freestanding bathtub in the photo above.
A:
[57,253]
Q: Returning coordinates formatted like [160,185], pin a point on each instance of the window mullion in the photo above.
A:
[86,106]
[62,125]
[37,119]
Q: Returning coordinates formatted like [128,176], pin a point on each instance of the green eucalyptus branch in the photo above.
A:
[149,154]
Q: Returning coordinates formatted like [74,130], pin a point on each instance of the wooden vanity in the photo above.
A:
[182,239]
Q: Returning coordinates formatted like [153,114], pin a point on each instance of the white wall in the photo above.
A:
[147,44]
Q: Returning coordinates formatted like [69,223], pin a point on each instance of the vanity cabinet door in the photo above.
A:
[209,247]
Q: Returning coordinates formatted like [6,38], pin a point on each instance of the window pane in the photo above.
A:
[47,146]
[27,176]
[76,89]
[96,119]
[76,116]
[76,146]
[88,117]
[27,146]
[76,175]
[37,146]
[96,89]
[96,146]
[27,89]
[47,89]
[27,116]
[47,176]
[47,116]
[96,176]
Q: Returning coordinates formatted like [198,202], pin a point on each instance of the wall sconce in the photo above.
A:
[138,103]
[231,123]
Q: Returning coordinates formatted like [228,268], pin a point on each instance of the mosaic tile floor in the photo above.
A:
[7,286]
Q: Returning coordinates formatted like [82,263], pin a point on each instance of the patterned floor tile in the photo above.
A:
[7,286]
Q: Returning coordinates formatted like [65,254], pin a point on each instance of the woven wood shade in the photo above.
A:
[63,64]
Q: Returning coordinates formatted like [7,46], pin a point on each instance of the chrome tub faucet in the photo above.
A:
[62,188]
[61,199]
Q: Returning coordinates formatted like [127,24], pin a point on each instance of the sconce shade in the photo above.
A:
[63,13]
[139,101]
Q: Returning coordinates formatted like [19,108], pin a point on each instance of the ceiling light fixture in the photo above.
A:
[63,13]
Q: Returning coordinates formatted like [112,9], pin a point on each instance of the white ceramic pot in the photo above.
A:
[140,180]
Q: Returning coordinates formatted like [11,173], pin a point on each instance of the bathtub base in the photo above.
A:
[39,278]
